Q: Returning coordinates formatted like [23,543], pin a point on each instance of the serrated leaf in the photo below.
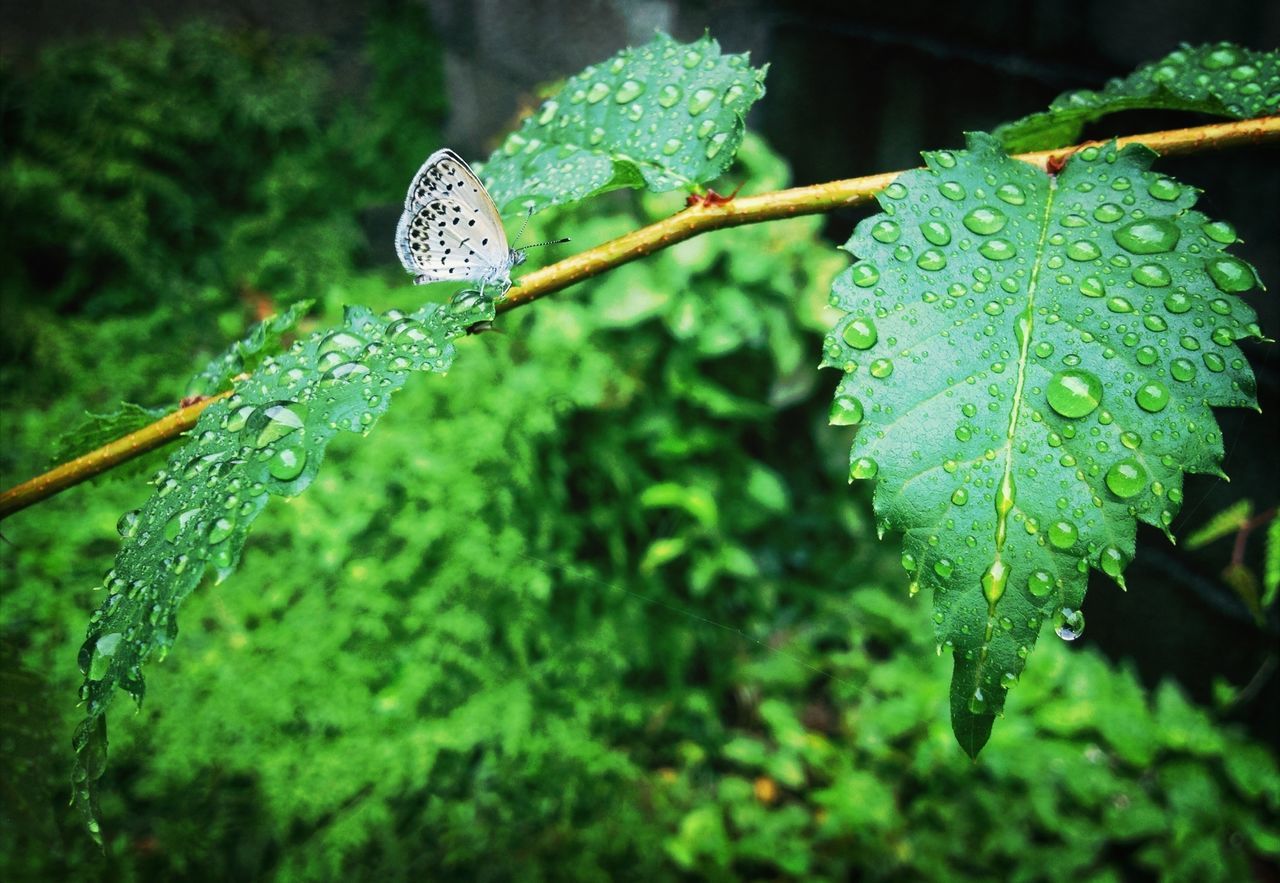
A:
[243,356]
[1031,360]
[100,429]
[1225,523]
[1218,78]
[664,116]
[268,439]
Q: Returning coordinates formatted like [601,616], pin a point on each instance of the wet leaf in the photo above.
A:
[662,116]
[264,339]
[1218,78]
[268,439]
[1030,362]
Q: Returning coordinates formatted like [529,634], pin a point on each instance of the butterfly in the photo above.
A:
[451,229]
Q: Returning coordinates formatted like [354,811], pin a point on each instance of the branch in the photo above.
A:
[814,199]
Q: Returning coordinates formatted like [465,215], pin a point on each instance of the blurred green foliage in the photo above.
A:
[596,605]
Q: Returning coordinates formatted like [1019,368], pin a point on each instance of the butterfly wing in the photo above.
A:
[450,228]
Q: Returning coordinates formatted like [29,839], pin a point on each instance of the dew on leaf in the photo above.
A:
[1230,274]
[1152,276]
[1039,583]
[1126,478]
[701,100]
[1068,624]
[1152,396]
[860,334]
[287,463]
[864,468]
[1062,534]
[1182,370]
[985,220]
[997,250]
[845,411]
[886,232]
[275,421]
[1074,393]
[1147,236]
[1012,194]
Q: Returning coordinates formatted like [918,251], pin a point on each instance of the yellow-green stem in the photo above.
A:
[814,199]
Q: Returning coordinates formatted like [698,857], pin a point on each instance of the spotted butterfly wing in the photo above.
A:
[450,228]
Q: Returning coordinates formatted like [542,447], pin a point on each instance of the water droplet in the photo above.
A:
[1177,302]
[275,421]
[287,463]
[985,220]
[952,190]
[864,467]
[669,95]
[1152,276]
[977,702]
[701,100]
[1062,534]
[716,144]
[845,411]
[959,496]
[931,259]
[994,581]
[1039,583]
[598,93]
[1068,624]
[221,529]
[671,146]
[908,562]
[1220,231]
[1044,349]
[936,232]
[1231,275]
[885,231]
[548,112]
[860,334]
[1153,396]
[1119,305]
[997,250]
[896,190]
[1147,236]
[104,650]
[1091,286]
[595,136]
[1108,213]
[177,523]
[881,368]
[1074,392]
[1182,370]
[1083,250]
[1112,563]
[1214,363]
[1165,189]
[1011,193]
[944,567]
[127,526]
[1126,478]
[864,274]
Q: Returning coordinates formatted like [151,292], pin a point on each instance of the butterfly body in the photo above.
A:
[451,229]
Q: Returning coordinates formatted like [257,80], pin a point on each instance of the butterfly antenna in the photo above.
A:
[542,244]
[528,215]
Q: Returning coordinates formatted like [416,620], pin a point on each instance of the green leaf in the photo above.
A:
[1031,361]
[245,355]
[100,429]
[1225,523]
[268,439]
[664,116]
[1271,564]
[1218,78]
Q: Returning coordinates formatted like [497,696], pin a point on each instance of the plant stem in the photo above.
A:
[814,199]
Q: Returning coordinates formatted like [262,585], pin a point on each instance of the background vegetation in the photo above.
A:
[596,605]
